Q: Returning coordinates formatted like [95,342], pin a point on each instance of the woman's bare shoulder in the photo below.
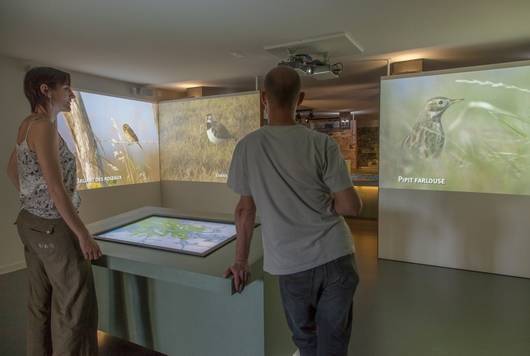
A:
[39,123]
[33,118]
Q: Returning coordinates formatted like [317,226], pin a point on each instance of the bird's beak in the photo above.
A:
[456,100]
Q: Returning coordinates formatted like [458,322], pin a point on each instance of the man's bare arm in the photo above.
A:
[245,216]
[347,202]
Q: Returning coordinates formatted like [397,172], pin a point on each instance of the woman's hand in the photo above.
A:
[90,248]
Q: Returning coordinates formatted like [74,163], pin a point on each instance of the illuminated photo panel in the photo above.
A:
[467,132]
[115,140]
[198,136]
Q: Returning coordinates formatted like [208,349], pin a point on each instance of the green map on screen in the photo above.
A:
[184,235]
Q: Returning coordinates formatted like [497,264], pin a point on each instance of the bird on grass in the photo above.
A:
[427,137]
[217,132]
[130,135]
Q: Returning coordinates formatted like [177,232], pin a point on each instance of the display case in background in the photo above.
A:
[368,149]
[358,140]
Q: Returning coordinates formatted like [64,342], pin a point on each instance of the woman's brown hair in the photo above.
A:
[37,76]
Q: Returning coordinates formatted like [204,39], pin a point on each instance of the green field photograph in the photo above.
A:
[198,136]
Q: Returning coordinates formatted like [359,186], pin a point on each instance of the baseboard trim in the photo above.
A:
[12,267]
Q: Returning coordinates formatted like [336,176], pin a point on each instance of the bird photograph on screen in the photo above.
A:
[130,135]
[115,140]
[198,136]
[426,139]
[467,131]
[217,132]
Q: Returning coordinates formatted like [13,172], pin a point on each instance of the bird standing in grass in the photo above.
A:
[427,137]
[130,135]
[217,132]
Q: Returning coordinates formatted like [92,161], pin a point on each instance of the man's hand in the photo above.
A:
[245,215]
[90,248]
[241,273]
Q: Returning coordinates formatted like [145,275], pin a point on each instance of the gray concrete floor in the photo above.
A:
[404,309]
[13,296]
[401,309]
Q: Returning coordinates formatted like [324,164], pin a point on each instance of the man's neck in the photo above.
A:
[273,122]
[281,118]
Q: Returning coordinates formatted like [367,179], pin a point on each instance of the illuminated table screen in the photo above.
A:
[188,236]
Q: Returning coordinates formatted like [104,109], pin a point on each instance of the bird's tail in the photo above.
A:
[140,146]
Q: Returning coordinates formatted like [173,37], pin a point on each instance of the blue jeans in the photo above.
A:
[318,305]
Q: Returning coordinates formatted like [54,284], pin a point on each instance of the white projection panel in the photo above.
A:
[455,169]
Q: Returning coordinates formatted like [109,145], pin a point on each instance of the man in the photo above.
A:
[298,181]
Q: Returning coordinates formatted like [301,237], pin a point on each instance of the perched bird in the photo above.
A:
[217,132]
[130,135]
[427,137]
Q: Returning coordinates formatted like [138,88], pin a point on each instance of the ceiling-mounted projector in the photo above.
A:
[314,68]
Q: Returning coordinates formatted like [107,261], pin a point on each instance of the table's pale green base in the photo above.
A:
[181,305]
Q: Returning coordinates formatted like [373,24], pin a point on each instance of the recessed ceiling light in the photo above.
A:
[185,85]
[408,56]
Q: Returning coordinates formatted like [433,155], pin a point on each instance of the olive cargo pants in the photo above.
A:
[62,306]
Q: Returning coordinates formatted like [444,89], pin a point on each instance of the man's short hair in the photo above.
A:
[282,86]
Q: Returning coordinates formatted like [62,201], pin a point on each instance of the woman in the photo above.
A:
[57,245]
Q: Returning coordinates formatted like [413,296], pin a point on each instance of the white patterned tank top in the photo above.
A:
[34,195]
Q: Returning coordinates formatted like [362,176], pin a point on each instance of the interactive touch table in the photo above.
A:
[160,284]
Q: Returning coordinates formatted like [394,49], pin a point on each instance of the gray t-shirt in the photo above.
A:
[290,171]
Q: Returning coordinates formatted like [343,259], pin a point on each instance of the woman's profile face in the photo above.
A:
[62,97]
